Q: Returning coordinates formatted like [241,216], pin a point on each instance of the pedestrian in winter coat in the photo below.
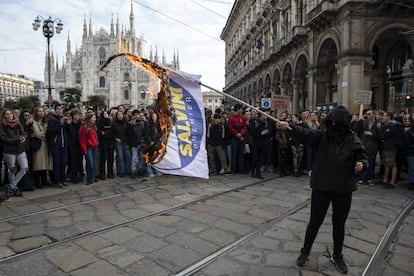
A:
[13,137]
[123,153]
[106,146]
[75,160]
[338,155]
[56,137]
[42,160]
[136,130]
[89,144]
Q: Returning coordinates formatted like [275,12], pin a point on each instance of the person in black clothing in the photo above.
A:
[152,138]
[296,147]
[216,132]
[106,146]
[123,153]
[338,155]
[259,130]
[136,129]
[75,154]
[57,141]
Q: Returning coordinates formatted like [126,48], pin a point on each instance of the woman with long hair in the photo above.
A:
[13,137]
[89,145]
[42,161]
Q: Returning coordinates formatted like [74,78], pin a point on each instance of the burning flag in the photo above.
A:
[179,106]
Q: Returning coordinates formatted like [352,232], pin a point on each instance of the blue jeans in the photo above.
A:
[237,154]
[137,163]
[11,160]
[90,163]
[123,158]
[368,173]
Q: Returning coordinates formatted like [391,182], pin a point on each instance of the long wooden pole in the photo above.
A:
[240,101]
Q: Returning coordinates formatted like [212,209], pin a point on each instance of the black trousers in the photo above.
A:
[320,201]
[107,158]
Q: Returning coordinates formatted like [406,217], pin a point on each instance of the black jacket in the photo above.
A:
[136,133]
[11,138]
[216,134]
[333,167]
[105,132]
[119,130]
[56,133]
[72,130]
[256,126]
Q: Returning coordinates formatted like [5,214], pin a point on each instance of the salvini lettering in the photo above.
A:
[182,123]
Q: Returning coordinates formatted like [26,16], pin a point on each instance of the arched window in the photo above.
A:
[101,81]
[126,76]
[78,77]
[102,56]
[126,95]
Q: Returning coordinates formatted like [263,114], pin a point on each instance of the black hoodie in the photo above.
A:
[336,152]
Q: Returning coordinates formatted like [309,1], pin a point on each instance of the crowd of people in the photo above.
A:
[49,148]
[245,141]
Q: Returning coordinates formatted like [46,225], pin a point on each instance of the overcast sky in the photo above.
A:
[22,50]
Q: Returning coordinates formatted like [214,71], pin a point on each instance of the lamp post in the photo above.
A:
[49,26]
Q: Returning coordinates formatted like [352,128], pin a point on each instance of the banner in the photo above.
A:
[186,147]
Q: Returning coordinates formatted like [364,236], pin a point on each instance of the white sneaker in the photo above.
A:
[309,173]
[221,171]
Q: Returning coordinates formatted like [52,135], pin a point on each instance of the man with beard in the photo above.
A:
[338,155]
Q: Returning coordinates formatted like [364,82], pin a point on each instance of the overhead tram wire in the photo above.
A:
[219,2]
[210,10]
[178,21]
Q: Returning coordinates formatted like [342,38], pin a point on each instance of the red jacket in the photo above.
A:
[88,138]
[237,124]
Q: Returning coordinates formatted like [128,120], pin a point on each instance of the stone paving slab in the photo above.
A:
[166,244]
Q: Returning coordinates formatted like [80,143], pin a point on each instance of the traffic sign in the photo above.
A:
[265,102]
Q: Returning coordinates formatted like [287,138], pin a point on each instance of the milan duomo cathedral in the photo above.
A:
[121,82]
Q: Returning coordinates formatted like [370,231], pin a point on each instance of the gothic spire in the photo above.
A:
[112,26]
[68,46]
[132,21]
[117,26]
[178,62]
[90,26]
[85,29]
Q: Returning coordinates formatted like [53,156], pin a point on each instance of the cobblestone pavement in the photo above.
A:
[68,231]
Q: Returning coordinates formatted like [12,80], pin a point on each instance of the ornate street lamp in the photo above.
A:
[49,26]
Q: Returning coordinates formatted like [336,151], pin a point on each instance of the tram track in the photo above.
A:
[66,206]
[128,221]
[376,261]
[196,267]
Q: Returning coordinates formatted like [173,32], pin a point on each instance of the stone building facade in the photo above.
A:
[13,86]
[320,52]
[212,100]
[121,82]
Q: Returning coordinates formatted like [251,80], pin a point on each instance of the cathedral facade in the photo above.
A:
[121,82]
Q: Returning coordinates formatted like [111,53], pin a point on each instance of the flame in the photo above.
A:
[162,105]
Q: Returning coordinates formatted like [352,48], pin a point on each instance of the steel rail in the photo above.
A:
[117,225]
[211,258]
[71,205]
[380,252]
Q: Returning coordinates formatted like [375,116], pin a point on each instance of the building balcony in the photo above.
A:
[322,10]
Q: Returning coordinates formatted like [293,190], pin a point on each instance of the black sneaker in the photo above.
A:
[8,192]
[17,192]
[338,261]
[303,258]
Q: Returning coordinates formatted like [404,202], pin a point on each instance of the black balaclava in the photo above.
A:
[337,123]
